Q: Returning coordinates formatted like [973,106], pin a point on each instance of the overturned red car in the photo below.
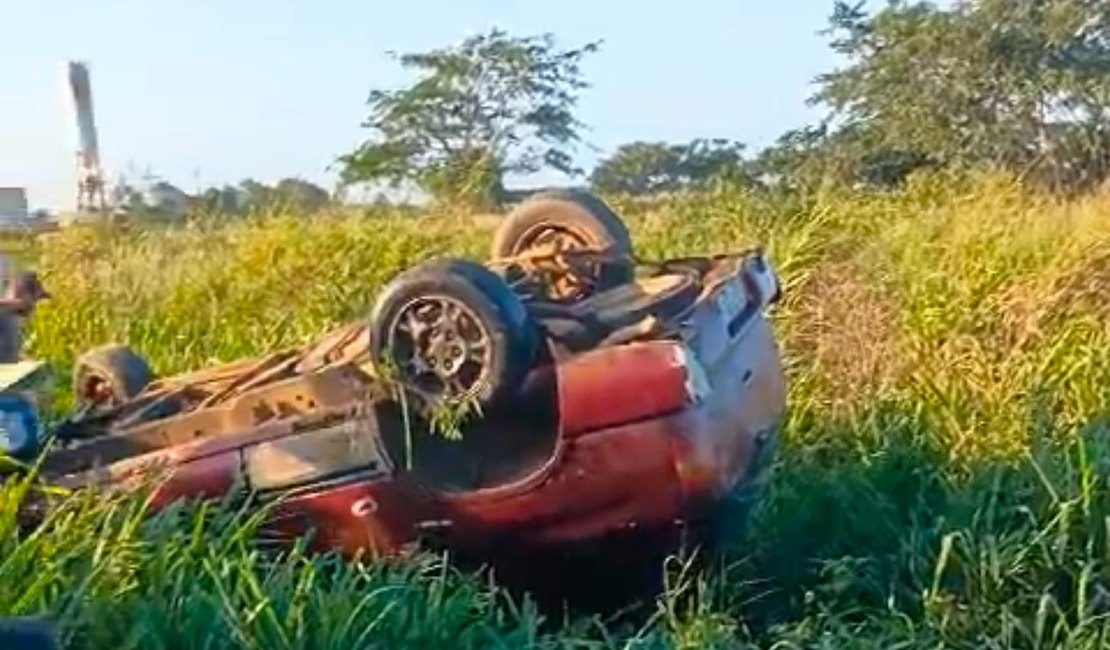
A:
[608,398]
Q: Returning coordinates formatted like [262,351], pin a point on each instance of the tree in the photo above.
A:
[254,195]
[799,159]
[641,168]
[299,194]
[289,193]
[719,160]
[806,158]
[489,106]
[638,168]
[1020,84]
[226,199]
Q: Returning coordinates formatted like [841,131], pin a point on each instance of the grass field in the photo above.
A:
[942,481]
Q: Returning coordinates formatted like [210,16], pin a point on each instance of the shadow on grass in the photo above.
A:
[896,541]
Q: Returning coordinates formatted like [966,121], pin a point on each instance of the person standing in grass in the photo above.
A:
[19,377]
[21,296]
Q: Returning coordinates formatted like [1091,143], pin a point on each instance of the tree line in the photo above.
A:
[1020,85]
[292,193]
[163,198]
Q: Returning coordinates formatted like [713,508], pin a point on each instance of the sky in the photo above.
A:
[206,92]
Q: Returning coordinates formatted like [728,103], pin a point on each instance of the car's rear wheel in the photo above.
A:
[452,331]
[110,375]
[557,221]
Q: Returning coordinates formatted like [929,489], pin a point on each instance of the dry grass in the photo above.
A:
[847,334]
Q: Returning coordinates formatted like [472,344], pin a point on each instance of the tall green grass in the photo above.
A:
[942,481]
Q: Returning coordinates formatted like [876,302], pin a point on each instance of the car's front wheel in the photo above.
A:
[452,331]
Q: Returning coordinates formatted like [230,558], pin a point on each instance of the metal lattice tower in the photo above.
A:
[90,179]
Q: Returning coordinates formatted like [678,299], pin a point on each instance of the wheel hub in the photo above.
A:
[97,390]
[440,346]
[566,281]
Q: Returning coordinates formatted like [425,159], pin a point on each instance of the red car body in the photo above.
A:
[637,439]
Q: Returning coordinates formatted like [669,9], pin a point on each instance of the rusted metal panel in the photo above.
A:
[209,477]
[233,423]
[167,477]
[315,455]
[296,396]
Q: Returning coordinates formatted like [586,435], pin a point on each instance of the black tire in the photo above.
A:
[492,310]
[582,216]
[110,375]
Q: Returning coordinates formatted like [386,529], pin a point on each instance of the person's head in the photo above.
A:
[27,288]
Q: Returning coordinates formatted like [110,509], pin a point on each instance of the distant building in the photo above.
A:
[13,203]
[166,198]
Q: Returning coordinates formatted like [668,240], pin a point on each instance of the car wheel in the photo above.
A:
[109,376]
[563,220]
[452,331]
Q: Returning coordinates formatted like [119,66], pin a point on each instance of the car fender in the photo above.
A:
[594,388]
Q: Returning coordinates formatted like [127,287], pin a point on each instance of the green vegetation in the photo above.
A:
[491,105]
[1015,85]
[640,168]
[942,477]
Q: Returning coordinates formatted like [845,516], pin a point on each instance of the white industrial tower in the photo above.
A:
[90,179]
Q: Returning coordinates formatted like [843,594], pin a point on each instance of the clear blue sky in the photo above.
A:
[213,91]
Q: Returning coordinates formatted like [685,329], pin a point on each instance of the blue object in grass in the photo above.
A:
[19,427]
[25,633]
